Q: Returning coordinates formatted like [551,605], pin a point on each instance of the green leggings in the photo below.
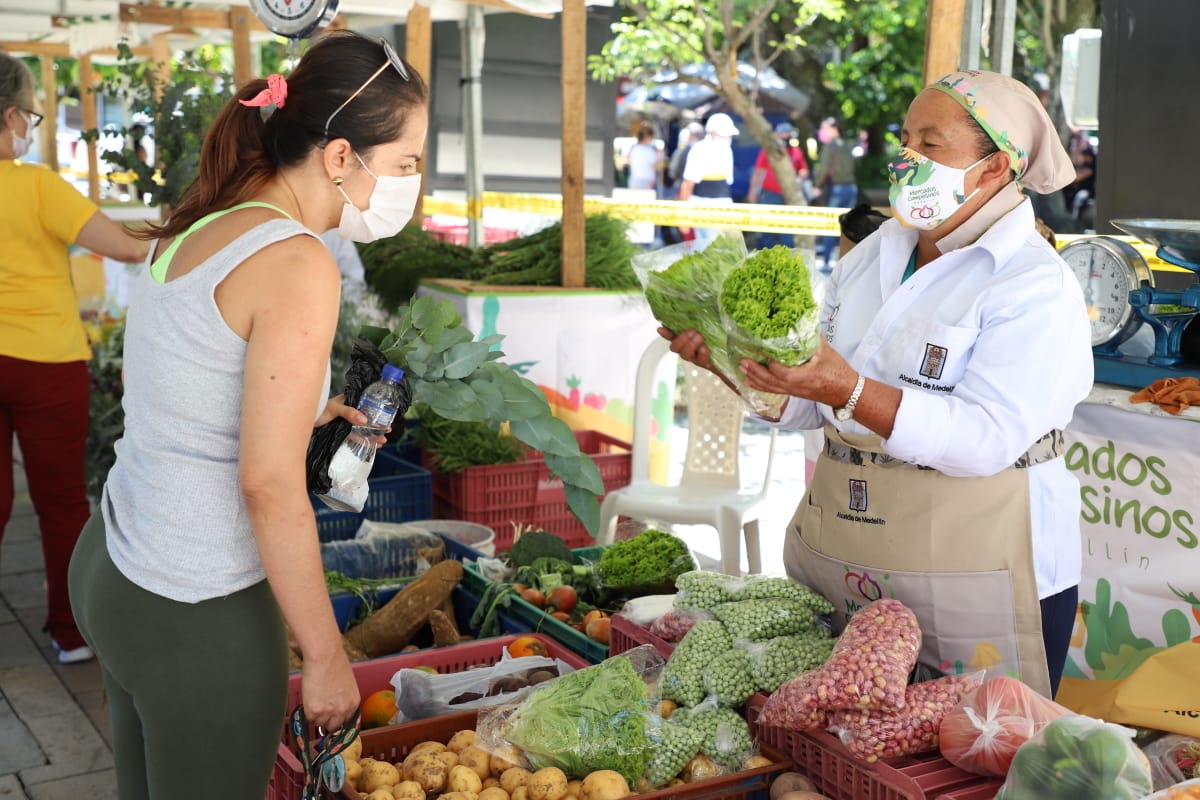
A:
[196,691]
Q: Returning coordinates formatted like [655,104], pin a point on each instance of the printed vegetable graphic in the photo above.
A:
[986,656]
[573,395]
[596,401]
[1191,599]
[1111,648]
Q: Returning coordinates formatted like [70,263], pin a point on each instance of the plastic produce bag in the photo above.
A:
[759,620]
[729,679]
[872,735]
[683,678]
[649,609]
[985,730]
[593,719]
[1077,757]
[778,660]
[366,366]
[675,624]
[725,736]
[1173,758]
[380,551]
[674,746]
[760,587]
[769,312]
[705,590]
[1187,790]
[420,695]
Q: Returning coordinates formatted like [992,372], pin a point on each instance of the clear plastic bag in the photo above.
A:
[1077,756]
[796,705]
[778,660]
[725,736]
[676,623]
[766,587]
[674,746]
[985,730]
[729,679]
[420,695]
[1187,790]
[1174,758]
[382,550]
[647,610]
[593,719]
[759,620]
[872,735]
[705,590]
[683,677]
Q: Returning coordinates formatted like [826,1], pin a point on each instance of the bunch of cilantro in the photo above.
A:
[769,310]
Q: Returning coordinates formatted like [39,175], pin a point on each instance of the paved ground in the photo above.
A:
[54,727]
[54,730]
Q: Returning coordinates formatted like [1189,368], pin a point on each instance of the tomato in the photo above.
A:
[561,616]
[519,587]
[984,732]
[598,629]
[534,597]
[594,614]
[526,646]
[563,598]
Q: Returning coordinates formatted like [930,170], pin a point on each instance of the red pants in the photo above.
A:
[46,406]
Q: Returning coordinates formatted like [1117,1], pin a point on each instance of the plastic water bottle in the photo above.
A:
[351,464]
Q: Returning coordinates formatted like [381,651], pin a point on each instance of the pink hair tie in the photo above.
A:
[274,95]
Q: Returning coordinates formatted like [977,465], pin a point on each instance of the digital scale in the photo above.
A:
[1118,286]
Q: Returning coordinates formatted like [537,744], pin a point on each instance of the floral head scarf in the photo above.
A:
[1011,114]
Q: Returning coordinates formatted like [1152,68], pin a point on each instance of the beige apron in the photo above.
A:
[957,551]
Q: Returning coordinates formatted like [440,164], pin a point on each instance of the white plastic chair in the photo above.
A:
[709,492]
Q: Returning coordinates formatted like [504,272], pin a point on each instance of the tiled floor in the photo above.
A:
[54,730]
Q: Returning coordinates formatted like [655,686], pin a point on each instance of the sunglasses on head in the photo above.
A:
[393,60]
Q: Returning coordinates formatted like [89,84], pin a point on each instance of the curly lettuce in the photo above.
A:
[769,308]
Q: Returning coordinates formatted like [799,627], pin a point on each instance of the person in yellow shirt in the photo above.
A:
[44,352]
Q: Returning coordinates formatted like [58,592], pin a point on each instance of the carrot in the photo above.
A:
[390,628]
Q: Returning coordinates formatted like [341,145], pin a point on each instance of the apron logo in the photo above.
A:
[934,361]
[858,495]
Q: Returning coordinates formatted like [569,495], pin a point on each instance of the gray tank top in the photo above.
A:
[176,522]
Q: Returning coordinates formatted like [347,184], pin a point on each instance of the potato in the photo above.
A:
[676,782]
[700,768]
[436,747]
[458,796]
[461,741]
[513,778]
[574,787]
[427,770]
[379,775]
[506,757]
[492,782]
[408,790]
[791,782]
[354,771]
[604,784]
[493,793]
[477,759]
[520,793]
[754,762]
[547,784]
[464,779]
[353,751]
[381,794]
[365,761]
[449,758]
[802,796]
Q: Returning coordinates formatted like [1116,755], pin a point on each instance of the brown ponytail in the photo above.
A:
[242,151]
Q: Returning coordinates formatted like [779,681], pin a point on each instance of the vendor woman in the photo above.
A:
[956,346]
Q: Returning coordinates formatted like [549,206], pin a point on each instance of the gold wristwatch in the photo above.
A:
[846,412]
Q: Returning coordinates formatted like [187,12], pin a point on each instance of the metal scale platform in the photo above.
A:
[1119,289]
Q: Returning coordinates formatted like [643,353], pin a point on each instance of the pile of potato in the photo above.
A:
[462,770]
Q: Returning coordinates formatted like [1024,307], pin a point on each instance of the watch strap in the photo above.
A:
[847,411]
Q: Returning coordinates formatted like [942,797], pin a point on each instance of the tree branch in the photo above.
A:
[709,46]
[753,24]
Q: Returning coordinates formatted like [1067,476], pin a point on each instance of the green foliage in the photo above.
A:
[536,260]
[770,299]
[456,445]
[395,266]
[652,557]
[179,118]
[106,418]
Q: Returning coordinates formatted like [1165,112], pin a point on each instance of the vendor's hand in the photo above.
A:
[826,377]
[328,690]
[689,345]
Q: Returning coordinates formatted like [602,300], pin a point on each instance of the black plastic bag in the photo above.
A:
[366,366]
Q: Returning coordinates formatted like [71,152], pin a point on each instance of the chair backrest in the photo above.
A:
[714,420]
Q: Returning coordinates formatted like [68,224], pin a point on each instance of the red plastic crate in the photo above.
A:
[625,634]
[823,759]
[525,492]
[393,743]
[287,779]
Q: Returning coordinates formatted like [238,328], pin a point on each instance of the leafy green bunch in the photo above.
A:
[769,309]
[652,557]
[461,379]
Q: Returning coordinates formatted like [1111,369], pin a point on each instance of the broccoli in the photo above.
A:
[538,544]
[652,557]
[769,301]
[545,574]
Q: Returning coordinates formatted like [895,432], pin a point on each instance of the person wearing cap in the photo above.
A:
[954,346]
[836,178]
[764,185]
[708,173]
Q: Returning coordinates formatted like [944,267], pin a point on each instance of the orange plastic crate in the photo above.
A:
[287,779]
[525,492]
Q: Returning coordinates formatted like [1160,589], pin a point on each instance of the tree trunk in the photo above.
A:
[764,134]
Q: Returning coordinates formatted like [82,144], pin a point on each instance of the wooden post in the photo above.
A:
[418,50]
[160,47]
[943,38]
[243,55]
[87,98]
[1000,43]
[574,140]
[472,36]
[49,128]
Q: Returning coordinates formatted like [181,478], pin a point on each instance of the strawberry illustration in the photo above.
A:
[596,401]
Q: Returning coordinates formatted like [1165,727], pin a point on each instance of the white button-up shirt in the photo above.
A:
[991,346]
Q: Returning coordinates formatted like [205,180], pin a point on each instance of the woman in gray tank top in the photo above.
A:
[205,542]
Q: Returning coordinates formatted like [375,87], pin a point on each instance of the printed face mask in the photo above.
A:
[924,193]
[21,144]
[389,209]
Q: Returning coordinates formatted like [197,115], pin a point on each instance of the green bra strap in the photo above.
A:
[158,270]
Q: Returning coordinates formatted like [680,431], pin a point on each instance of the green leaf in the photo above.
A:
[448,314]
[1176,627]
[417,369]
[445,397]
[578,470]
[463,359]
[519,401]
[546,434]
[585,506]
[450,337]
[424,313]
[375,335]
[490,398]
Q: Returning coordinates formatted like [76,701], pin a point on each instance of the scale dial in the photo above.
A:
[295,19]
[1108,270]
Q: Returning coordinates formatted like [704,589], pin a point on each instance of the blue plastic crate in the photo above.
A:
[399,492]
[347,607]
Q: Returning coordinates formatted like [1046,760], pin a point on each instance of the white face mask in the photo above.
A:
[924,193]
[21,144]
[390,207]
